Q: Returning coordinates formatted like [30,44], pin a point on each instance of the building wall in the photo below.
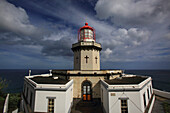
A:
[144,90]
[115,102]
[62,100]
[104,99]
[41,102]
[28,89]
[77,61]
[77,87]
[80,63]
[89,49]
[91,65]
[69,99]
[134,98]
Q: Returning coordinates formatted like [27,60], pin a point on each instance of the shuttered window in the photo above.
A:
[124,106]
[51,105]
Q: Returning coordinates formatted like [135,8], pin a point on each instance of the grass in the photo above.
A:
[166,107]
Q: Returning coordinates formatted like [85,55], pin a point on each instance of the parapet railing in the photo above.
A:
[160,93]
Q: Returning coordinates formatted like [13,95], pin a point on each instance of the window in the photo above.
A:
[148,94]
[51,105]
[77,59]
[144,100]
[27,93]
[86,33]
[31,99]
[124,107]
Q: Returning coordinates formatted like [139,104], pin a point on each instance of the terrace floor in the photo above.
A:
[159,103]
[80,106]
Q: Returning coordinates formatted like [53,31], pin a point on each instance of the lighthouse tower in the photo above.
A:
[86,50]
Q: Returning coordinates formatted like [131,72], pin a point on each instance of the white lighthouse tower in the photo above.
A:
[86,50]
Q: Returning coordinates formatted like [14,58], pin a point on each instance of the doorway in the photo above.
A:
[86,90]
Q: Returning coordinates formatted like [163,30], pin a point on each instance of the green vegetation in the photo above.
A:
[2,100]
[14,100]
[3,84]
[166,107]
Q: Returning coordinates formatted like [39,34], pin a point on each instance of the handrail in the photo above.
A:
[160,93]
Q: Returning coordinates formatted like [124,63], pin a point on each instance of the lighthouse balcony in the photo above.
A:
[86,44]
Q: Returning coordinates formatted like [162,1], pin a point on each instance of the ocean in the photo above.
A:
[15,78]
[160,78]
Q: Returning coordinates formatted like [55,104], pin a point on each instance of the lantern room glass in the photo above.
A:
[86,34]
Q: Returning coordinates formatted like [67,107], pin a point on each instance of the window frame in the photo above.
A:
[27,92]
[148,94]
[51,98]
[124,105]
[31,94]
[151,90]
[144,100]
[86,90]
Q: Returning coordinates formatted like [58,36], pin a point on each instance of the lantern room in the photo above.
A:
[86,33]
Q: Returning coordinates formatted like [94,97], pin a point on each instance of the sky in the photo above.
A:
[38,34]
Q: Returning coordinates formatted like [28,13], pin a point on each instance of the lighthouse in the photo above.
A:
[85,87]
[86,50]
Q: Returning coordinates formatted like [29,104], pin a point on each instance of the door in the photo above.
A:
[87,92]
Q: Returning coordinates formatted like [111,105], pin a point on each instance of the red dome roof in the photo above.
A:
[86,27]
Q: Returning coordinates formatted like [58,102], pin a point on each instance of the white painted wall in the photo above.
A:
[62,98]
[144,90]
[115,102]
[62,101]
[112,104]
[41,101]
[104,98]
[69,99]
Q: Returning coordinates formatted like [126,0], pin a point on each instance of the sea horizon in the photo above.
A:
[15,77]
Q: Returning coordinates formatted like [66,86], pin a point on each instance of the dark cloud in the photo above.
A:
[128,31]
[15,19]
[16,29]
[136,13]
[60,47]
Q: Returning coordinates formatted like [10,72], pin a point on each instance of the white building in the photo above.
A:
[45,93]
[127,94]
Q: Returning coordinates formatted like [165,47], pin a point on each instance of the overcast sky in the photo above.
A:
[38,34]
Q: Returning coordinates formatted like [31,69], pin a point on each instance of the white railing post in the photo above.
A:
[5,110]
[50,72]
[29,72]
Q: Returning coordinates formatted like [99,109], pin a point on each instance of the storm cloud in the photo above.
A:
[129,31]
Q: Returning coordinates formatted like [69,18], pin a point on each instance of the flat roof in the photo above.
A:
[48,80]
[126,80]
